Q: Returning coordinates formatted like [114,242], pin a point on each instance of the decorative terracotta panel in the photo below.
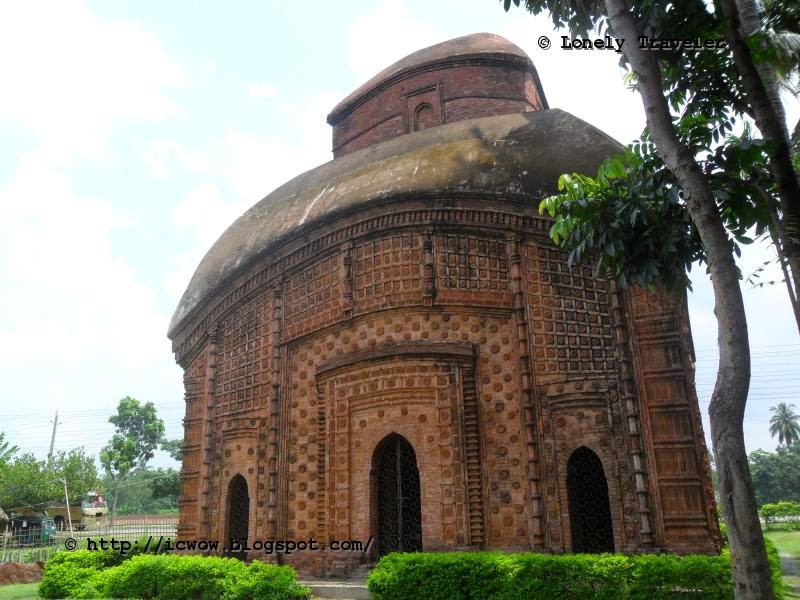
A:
[244,358]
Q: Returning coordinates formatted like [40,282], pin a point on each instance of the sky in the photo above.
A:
[133,133]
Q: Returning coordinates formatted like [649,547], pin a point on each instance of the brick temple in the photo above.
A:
[389,347]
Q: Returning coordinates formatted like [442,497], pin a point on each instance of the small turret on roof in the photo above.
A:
[473,76]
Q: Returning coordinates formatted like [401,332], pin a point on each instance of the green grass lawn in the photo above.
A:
[788,545]
[787,542]
[19,591]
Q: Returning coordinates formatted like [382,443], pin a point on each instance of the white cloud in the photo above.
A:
[163,157]
[66,296]
[587,84]
[386,35]
[238,169]
[262,90]
[77,75]
[79,326]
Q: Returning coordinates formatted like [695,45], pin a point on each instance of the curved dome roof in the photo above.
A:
[517,156]
[476,45]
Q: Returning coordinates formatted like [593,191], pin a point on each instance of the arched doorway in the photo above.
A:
[589,508]
[397,496]
[238,514]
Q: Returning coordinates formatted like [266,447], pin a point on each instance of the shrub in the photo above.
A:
[775,569]
[85,574]
[268,582]
[659,576]
[141,546]
[784,514]
[495,576]
[440,575]
[67,572]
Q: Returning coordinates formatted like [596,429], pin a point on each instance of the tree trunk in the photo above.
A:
[751,574]
[114,503]
[749,21]
[774,233]
[742,20]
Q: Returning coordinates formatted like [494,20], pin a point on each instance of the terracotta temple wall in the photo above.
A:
[458,326]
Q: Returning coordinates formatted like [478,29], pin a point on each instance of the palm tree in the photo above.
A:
[6,450]
[785,423]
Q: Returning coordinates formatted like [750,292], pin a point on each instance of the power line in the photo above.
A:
[704,350]
[97,411]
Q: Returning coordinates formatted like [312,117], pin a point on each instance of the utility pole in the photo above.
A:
[52,440]
[66,499]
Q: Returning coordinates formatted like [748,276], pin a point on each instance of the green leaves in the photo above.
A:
[502,576]
[629,219]
[7,451]
[29,482]
[138,434]
[85,574]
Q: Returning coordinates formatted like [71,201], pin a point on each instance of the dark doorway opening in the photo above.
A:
[238,517]
[398,507]
[589,508]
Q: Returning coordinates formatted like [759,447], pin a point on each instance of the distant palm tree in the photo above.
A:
[6,450]
[785,423]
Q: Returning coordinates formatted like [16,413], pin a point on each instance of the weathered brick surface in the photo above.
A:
[434,97]
[455,323]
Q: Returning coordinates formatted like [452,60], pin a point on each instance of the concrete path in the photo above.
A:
[338,590]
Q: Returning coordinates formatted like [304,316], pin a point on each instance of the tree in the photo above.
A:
[148,491]
[776,475]
[138,433]
[78,469]
[31,483]
[782,24]
[166,484]
[6,450]
[174,448]
[756,55]
[669,202]
[26,484]
[785,423]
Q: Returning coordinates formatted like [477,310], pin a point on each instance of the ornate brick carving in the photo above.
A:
[191,335]
[671,424]
[194,384]
[570,321]
[243,359]
[472,267]
[431,389]
[313,297]
[549,375]
[388,272]
[446,318]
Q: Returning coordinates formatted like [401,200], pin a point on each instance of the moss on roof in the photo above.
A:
[510,156]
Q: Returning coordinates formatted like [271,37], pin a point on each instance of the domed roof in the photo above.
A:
[476,45]
[517,156]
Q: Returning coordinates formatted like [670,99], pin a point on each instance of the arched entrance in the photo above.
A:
[589,508]
[396,496]
[238,513]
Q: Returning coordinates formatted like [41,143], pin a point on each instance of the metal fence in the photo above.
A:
[126,528]
[34,543]
[27,542]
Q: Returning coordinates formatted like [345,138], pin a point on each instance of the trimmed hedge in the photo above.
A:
[499,576]
[66,571]
[85,574]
